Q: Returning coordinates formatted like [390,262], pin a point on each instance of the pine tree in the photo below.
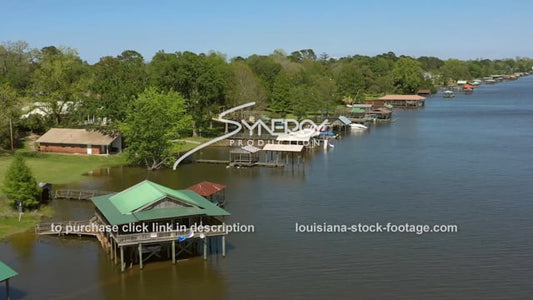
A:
[19,185]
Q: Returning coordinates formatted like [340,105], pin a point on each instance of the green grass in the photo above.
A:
[9,219]
[59,168]
[183,145]
[46,167]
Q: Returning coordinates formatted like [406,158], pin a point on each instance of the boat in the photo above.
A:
[355,126]
[448,94]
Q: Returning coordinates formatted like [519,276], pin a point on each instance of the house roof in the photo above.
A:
[403,97]
[131,204]
[75,136]
[6,272]
[206,188]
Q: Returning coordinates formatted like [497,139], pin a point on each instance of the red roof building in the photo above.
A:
[210,190]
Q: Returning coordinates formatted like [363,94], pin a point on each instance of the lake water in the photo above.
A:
[464,161]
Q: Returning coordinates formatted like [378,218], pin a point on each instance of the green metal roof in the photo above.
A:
[357,110]
[123,207]
[6,272]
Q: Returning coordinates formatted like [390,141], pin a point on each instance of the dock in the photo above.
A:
[241,163]
[78,194]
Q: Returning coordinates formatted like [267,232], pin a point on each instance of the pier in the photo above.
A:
[78,194]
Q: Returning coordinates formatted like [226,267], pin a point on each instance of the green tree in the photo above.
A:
[19,184]
[153,120]
[245,87]
[201,79]
[281,94]
[9,116]
[454,69]
[407,75]
[56,83]
[116,82]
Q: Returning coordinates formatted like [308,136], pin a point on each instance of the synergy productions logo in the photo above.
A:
[259,125]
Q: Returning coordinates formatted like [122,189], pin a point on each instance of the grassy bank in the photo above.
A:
[47,167]
[9,219]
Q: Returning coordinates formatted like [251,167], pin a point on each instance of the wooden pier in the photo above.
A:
[78,194]
[241,163]
[67,227]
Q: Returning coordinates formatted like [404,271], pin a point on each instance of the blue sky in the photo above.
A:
[446,29]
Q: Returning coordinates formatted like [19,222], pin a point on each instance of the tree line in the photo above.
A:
[108,95]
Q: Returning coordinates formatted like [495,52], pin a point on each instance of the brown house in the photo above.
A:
[402,101]
[81,141]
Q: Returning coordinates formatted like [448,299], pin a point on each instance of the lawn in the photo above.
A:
[59,168]
[47,167]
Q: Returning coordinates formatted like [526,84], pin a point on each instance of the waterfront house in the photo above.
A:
[401,101]
[151,217]
[79,141]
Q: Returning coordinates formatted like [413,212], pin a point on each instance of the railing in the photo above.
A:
[67,227]
[78,194]
[135,238]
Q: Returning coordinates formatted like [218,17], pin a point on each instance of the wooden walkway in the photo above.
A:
[241,164]
[68,227]
[212,161]
[78,194]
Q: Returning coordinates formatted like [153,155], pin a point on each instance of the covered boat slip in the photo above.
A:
[5,274]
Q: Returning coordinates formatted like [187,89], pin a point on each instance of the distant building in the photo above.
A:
[80,141]
[424,92]
[402,101]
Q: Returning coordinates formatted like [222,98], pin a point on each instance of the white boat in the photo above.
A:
[358,126]
[448,94]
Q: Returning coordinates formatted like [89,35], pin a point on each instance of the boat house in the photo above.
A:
[149,218]
[215,192]
[399,101]
[80,141]
[5,274]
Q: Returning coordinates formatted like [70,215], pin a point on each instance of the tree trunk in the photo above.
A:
[194,129]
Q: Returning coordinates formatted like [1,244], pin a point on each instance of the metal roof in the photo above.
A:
[206,188]
[283,148]
[358,110]
[345,120]
[6,272]
[293,138]
[403,97]
[75,136]
[129,205]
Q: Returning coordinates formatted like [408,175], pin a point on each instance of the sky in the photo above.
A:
[446,29]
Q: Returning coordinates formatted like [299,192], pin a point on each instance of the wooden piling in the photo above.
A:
[223,246]
[122,265]
[173,252]
[141,256]
[205,248]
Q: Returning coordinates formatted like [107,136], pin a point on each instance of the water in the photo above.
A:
[464,161]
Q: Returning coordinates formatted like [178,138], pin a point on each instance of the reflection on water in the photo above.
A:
[462,161]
